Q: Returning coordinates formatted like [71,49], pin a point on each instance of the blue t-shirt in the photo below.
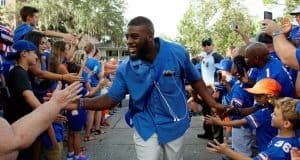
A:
[298,54]
[261,121]
[93,68]
[45,56]
[278,149]
[275,69]
[292,72]
[161,109]
[240,98]
[59,135]
[295,35]
[21,31]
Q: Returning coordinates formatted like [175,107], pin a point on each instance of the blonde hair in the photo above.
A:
[288,107]
[78,56]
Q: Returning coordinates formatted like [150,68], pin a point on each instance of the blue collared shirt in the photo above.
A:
[157,109]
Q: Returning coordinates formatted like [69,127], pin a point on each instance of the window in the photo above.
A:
[2,3]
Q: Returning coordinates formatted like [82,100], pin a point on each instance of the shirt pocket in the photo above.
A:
[170,84]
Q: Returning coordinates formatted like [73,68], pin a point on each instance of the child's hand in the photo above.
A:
[216,147]
[295,154]
[213,120]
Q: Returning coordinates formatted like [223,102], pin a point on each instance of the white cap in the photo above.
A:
[295,11]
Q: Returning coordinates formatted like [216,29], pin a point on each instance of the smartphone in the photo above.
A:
[233,25]
[268,15]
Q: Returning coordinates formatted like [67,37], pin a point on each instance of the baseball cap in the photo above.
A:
[206,42]
[19,46]
[267,86]
[295,11]
[225,64]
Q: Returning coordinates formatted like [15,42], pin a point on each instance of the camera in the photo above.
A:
[241,66]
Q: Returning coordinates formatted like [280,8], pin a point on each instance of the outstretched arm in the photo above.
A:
[218,121]
[23,132]
[200,88]
[223,148]
[98,103]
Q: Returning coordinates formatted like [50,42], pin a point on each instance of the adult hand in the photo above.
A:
[61,119]
[72,77]
[213,120]
[269,26]
[69,37]
[286,25]
[217,147]
[65,96]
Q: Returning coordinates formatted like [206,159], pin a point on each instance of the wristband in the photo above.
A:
[276,33]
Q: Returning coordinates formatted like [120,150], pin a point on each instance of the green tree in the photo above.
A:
[93,17]
[290,4]
[213,18]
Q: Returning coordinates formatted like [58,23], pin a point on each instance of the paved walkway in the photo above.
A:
[117,142]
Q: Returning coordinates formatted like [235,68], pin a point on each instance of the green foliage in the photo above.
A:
[212,18]
[290,4]
[93,17]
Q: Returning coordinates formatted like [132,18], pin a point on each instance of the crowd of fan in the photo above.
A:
[27,79]
[250,80]
[256,82]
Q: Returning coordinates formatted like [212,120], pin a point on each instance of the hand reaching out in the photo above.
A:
[295,154]
[213,120]
[72,77]
[217,147]
[67,95]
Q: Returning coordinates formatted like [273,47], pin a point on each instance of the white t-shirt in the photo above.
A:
[208,69]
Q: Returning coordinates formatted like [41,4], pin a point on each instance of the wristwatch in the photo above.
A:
[276,32]
[81,105]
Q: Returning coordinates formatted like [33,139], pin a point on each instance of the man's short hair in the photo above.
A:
[27,11]
[264,38]
[140,20]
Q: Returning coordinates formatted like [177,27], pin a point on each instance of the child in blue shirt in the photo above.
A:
[264,90]
[286,118]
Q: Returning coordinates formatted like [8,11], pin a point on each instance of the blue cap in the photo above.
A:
[225,65]
[19,46]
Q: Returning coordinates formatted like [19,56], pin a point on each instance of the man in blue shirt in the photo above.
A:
[257,56]
[154,77]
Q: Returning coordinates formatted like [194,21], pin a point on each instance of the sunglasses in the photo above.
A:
[206,44]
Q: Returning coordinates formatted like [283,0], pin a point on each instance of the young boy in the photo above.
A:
[287,119]
[264,91]
[29,17]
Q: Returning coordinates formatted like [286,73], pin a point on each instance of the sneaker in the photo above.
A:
[70,157]
[82,157]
